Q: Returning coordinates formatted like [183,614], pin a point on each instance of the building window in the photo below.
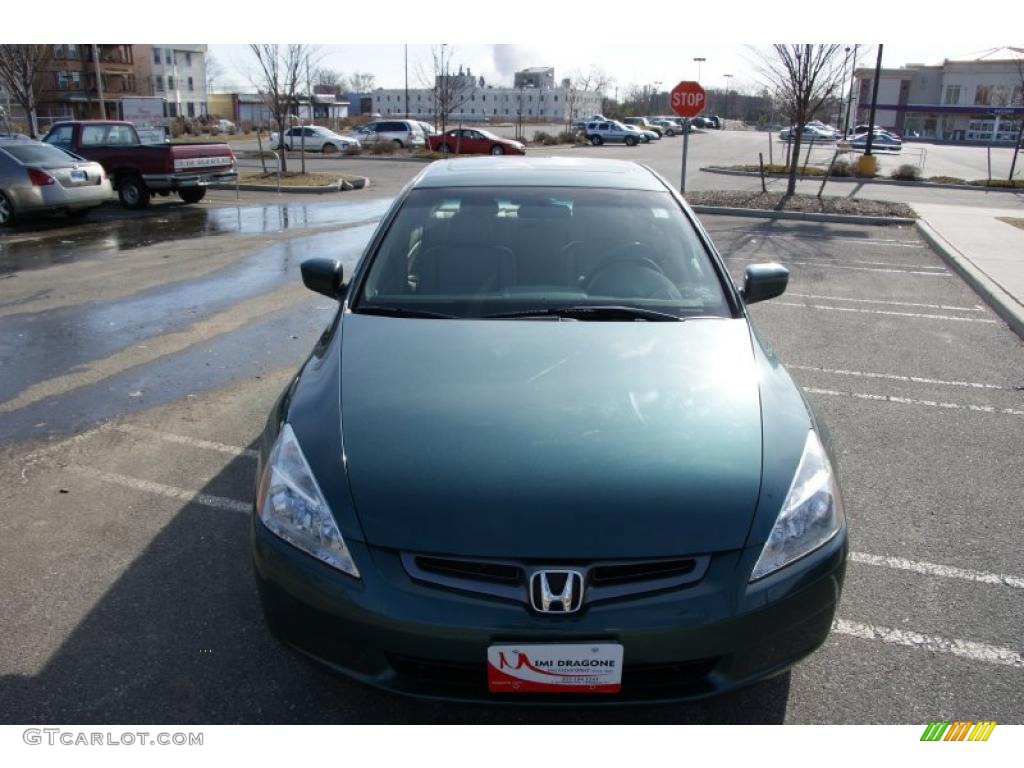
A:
[159,82]
[72,50]
[983,95]
[76,79]
[188,59]
[170,82]
[167,57]
[191,109]
[556,97]
[58,51]
[156,55]
[190,86]
[62,80]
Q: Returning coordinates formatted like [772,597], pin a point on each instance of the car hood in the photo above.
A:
[546,439]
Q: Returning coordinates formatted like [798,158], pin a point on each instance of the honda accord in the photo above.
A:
[541,453]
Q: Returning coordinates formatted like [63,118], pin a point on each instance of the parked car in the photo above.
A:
[582,123]
[474,141]
[879,140]
[668,128]
[138,170]
[810,132]
[610,131]
[427,128]
[36,177]
[457,499]
[713,121]
[222,126]
[643,124]
[644,135]
[857,130]
[402,133]
[314,138]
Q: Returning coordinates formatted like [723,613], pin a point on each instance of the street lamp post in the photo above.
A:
[849,96]
[842,86]
[700,60]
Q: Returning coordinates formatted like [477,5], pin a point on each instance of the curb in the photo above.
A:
[342,185]
[999,299]
[860,180]
[831,218]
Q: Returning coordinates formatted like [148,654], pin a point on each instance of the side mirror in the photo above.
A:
[764,281]
[325,276]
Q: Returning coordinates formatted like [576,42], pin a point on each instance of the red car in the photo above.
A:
[471,141]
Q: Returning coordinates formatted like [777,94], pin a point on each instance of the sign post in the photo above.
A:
[687,100]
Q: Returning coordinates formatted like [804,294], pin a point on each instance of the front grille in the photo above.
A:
[639,681]
[624,573]
[502,573]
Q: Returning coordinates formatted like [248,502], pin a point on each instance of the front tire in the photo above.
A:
[497,150]
[597,141]
[330,149]
[398,144]
[193,194]
[444,149]
[630,141]
[133,193]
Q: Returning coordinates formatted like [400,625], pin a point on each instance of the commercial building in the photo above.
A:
[250,110]
[536,97]
[86,81]
[978,100]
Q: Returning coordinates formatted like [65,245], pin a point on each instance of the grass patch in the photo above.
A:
[1006,183]
[947,180]
[776,201]
[1013,222]
[290,179]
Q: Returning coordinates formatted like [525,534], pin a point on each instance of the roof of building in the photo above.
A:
[539,172]
[537,70]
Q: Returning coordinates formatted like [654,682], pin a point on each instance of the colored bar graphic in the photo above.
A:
[935,730]
[958,730]
[982,730]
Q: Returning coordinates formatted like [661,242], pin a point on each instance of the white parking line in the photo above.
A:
[896,377]
[991,654]
[170,491]
[194,442]
[810,263]
[886,312]
[754,236]
[934,569]
[912,401]
[883,301]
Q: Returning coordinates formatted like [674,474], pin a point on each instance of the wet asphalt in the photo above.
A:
[139,359]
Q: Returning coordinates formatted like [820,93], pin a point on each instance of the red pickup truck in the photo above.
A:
[137,170]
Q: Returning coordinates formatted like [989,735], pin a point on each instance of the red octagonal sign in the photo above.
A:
[688,99]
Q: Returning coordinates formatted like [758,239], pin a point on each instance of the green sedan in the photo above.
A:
[541,453]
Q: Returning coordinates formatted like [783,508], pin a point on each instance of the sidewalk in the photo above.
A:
[988,253]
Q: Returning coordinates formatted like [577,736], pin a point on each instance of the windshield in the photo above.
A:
[38,154]
[480,251]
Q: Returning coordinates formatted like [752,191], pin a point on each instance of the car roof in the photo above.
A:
[539,172]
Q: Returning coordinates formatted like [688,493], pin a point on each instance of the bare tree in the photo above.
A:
[362,82]
[332,79]
[594,81]
[214,72]
[450,89]
[281,70]
[803,77]
[22,69]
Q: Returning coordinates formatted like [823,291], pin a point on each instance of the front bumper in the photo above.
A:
[395,633]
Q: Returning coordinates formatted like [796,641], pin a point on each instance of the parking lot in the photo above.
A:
[140,362]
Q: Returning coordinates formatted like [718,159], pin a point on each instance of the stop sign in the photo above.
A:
[687,99]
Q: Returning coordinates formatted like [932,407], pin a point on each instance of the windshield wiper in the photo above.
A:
[590,312]
[401,312]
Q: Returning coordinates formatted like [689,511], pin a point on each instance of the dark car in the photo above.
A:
[541,453]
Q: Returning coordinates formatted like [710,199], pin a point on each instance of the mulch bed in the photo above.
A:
[776,201]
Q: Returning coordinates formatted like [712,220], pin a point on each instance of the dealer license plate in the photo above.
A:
[79,176]
[580,668]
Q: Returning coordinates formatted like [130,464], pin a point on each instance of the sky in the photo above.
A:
[642,64]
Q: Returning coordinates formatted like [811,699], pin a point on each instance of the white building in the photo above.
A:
[480,103]
[177,73]
[975,100]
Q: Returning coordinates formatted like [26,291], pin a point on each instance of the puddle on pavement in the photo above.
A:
[41,345]
[95,241]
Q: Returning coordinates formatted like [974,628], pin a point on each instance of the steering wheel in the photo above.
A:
[631,276]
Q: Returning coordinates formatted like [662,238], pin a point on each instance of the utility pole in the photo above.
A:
[99,81]
[874,101]
[842,84]
[407,82]
[849,97]
[700,60]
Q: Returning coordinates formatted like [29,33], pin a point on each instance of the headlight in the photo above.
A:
[810,516]
[291,505]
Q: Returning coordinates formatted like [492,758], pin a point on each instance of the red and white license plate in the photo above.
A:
[581,668]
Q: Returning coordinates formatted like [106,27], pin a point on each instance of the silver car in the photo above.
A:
[401,133]
[38,177]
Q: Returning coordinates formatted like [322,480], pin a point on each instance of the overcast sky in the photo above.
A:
[627,64]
